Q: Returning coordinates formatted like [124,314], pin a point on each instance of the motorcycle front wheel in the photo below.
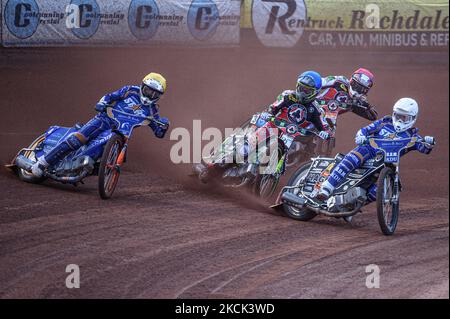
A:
[387,203]
[109,172]
[266,185]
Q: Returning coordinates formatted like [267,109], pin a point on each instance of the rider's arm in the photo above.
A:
[279,104]
[420,145]
[160,129]
[375,126]
[365,110]
[118,95]
[336,82]
[316,118]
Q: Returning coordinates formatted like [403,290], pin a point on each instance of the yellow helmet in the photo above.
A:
[153,86]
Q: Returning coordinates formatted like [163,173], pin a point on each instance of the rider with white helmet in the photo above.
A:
[399,125]
[405,114]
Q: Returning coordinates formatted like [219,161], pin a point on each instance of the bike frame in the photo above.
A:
[126,123]
[392,149]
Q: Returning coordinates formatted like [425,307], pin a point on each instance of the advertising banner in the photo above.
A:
[120,22]
[349,23]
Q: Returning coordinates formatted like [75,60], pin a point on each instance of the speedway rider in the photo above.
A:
[399,125]
[309,88]
[137,100]
[302,108]
[339,93]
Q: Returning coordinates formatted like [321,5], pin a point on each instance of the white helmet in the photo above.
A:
[405,114]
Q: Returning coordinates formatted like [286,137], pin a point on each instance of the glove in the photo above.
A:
[101,107]
[265,116]
[361,102]
[164,123]
[161,127]
[429,140]
[360,138]
[324,135]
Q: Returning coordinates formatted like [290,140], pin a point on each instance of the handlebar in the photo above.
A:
[361,103]
[148,118]
[418,140]
[282,123]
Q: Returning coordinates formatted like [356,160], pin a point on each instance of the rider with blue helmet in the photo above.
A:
[308,86]
[302,107]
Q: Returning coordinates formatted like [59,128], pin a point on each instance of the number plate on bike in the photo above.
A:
[392,157]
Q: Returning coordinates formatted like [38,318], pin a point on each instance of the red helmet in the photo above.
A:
[361,82]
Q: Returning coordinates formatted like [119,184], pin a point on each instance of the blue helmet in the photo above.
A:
[309,85]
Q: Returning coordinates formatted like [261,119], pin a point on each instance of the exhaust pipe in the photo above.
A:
[337,215]
[299,202]
[24,163]
[69,179]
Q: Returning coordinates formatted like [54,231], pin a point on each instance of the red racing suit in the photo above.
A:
[335,97]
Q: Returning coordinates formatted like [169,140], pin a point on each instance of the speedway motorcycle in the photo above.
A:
[298,200]
[264,143]
[102,157]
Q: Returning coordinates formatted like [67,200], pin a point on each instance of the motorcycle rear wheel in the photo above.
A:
[303,214]
[109,172]
[387,209]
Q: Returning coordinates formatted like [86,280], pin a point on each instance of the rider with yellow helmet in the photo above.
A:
[136,100]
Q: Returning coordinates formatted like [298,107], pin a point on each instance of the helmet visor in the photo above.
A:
[403,118]
[305,88]
[150,93]
[359,88]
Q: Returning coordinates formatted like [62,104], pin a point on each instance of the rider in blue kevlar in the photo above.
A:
[136,100]
[400,125]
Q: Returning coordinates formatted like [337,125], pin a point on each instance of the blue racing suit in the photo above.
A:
[379,129]
[127,100]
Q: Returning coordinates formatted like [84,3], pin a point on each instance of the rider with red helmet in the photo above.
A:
[349,95]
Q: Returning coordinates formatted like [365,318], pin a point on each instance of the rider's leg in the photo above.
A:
[351,161]
[72,143]
[372,193]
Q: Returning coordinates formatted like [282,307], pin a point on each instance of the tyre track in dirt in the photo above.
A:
[220,249]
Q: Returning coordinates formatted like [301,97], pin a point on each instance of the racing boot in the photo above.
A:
[202,172]
[39,167]
[326,189]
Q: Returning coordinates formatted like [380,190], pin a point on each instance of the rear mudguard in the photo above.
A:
[24,151]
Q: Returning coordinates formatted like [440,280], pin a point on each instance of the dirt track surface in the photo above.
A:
[164,236]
